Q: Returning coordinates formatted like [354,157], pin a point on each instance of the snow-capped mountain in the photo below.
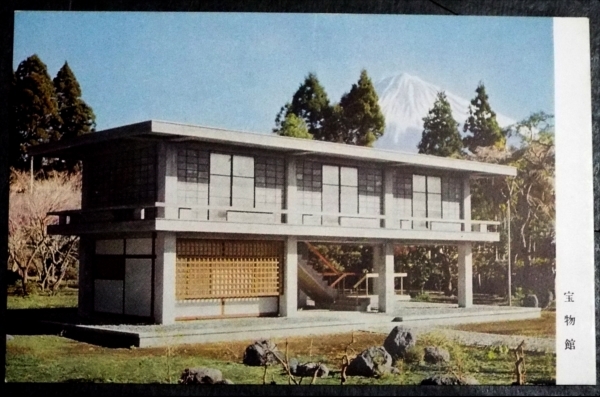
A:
[404,100]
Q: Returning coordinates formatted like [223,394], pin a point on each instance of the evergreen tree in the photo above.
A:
[362,120]
[77,117]
[440,131]
[310,103]
[481,126]
[34,110]
[294,126]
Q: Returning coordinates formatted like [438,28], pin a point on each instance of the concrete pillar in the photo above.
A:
[167,181]
[164,278]
[466,204]
[384,265]
[465,275]
[389,207]
[293,217]
[85,306]
[288,301]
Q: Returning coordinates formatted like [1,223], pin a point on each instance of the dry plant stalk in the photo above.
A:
[345,364]
[285,366]
[314,378]
[265,375]
[520,363]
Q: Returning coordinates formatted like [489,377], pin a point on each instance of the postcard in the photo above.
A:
[323,199]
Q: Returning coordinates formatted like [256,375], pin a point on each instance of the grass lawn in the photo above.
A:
[48,358]
[64,297]
[544,327]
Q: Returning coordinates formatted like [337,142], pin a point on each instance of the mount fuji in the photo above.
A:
[404,101]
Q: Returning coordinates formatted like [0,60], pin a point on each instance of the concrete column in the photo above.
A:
[465,275]
[291,200]
[385,268]
[167,180]
[288,301]
[85,307]
[466,204]
[164,278]
[389,208]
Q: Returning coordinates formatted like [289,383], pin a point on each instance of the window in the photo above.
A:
[192,180]
[127,177]
[269,175]
[403,196]
[309,180]
[340,192]
[370,184]
[231,183]
[451,202]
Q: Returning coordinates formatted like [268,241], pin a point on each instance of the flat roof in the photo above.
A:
[178,132]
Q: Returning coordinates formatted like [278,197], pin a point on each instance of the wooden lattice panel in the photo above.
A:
[226,269]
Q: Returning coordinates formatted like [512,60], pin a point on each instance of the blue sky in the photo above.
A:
[236,70]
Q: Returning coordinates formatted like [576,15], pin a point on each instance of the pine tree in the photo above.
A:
[34,110]
[77,117]
[440,130]
[294,126]
[481,126]
[362,120]
[310,103]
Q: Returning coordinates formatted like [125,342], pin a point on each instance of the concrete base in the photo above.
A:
[312,322]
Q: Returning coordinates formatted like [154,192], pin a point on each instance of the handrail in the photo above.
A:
[322,259]
[268,211]
[278,211]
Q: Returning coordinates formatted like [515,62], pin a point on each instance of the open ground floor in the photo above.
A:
[169,277]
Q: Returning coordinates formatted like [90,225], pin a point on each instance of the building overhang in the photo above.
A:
[175,132]
[273,231]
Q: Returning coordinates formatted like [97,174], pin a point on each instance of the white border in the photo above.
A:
[574,202]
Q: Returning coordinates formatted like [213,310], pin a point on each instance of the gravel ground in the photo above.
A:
[541,345]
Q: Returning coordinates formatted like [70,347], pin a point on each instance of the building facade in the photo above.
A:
[184,222]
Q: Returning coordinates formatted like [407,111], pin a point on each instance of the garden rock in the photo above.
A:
[224,382]
[259,353]
[436,355]
[308,370]
[398,342]
[201,376]
[531,301]
[373,361]
[449,380]
[9,337]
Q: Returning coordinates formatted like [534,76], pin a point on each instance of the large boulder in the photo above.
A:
[373,361]
[261,352]
[449,380]
[201,376]
[530,301]
[436,355]
[398,342]
[9,337]
[307,370]
[546,299]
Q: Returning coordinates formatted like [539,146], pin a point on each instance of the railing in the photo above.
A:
[367,276]
[267,216]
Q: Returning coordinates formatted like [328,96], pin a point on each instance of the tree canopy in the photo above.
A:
[481,126]
[34,110]
[77,117]
[362,120]
[309,103]
[356,119]
[440,131]
[43,110]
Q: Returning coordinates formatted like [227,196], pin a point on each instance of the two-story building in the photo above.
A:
[180,221]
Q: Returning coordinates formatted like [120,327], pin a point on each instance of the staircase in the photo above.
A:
[312,283]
